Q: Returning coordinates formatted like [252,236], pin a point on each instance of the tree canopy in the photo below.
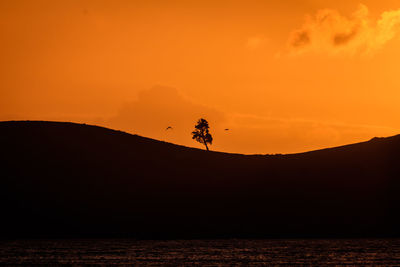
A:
[201,133]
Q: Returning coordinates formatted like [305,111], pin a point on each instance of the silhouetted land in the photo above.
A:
[73,180]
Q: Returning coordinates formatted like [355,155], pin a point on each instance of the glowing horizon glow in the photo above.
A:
[284,77]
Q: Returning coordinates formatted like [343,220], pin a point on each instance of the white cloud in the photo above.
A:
[330,32]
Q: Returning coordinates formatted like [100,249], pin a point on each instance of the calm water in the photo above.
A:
[384,252]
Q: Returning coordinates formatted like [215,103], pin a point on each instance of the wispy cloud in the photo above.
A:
[258,134]
[328,31]
[255,42]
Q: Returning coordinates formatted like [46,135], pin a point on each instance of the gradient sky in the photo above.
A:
[284,76]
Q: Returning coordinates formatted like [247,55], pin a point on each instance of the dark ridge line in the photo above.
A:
[374,139]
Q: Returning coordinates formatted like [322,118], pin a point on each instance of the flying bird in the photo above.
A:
[226,129]
[169,128]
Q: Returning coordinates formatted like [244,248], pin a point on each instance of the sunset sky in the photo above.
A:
[284,76]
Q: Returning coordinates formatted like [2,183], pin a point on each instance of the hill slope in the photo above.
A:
[65,179]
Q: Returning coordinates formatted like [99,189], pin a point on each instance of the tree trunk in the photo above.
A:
[206,146]
[205,143]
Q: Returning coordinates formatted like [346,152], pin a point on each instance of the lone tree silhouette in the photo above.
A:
[201,133]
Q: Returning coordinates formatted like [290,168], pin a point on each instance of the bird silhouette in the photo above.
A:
[169,128]
[226,129]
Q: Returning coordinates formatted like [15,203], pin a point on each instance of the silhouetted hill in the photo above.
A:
[65,179]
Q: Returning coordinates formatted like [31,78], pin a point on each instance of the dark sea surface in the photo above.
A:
[227,252]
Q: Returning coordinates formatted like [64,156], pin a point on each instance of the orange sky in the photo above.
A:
[284,76]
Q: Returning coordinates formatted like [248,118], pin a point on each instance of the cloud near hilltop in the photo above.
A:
[161,106]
